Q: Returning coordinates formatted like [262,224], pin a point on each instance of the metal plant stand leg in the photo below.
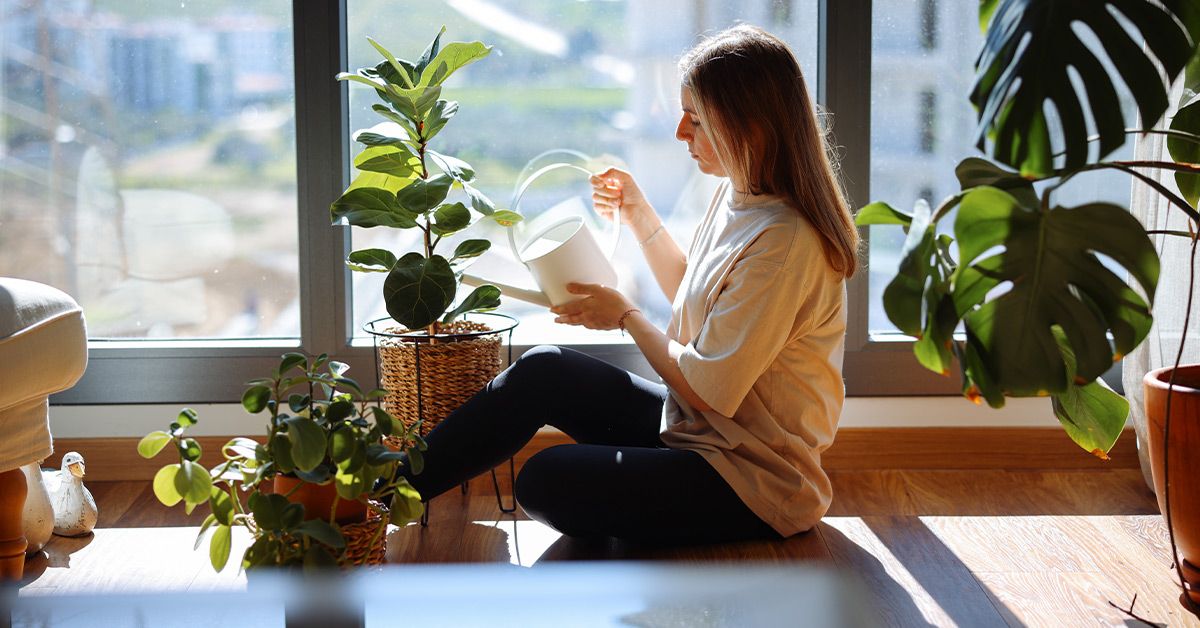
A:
[496,484]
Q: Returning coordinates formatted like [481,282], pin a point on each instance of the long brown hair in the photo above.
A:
[750,94]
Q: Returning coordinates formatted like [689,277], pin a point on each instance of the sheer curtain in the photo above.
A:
[1170,300]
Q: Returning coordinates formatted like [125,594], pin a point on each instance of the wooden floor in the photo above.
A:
[967,548]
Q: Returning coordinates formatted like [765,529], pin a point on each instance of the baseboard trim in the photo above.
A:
[116,459]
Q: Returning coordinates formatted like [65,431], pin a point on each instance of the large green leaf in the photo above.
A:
[452,57]
[903,298]
[1186,120]
[1031,51]
[371,260]
[479,202]
[418,290]
[218,548]
[193,482]
[371,207]
[451,218]
[973,172]
[153,443]
[423,195]
[430,52]
[379,180]
[880,213]
[458,169]
[385,134]
[1093,415]
[308,442]
[392,157]
[439,115]
[483,298]
[1048,261]
[406,504]
[470,248]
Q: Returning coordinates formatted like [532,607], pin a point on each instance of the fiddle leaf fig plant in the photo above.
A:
[405,184]
[323,429]
[1035,285]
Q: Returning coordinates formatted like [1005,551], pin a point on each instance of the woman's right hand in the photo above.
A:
[614,189]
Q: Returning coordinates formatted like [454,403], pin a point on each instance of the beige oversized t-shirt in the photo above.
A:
[758,324]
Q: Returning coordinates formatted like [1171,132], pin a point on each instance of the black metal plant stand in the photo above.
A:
[417,339]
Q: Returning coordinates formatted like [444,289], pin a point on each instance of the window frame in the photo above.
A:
[214,371]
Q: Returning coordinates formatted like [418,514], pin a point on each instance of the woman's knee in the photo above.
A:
[541,490]
[536,366]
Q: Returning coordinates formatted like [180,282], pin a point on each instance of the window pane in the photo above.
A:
[147,163]
[922,124]
[593,76]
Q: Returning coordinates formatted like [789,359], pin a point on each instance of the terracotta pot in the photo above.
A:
[1184,460]
[317,500]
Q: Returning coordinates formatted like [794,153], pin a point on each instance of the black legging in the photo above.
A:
[620,481]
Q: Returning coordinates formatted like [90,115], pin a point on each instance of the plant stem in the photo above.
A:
[1128,168]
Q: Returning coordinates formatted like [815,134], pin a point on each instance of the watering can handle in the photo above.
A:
[616,219]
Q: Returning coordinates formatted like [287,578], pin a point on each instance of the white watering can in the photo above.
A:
[558,253]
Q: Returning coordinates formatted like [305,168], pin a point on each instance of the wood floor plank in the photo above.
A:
[980,547]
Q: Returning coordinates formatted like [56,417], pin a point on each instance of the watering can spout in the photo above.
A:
[530,296]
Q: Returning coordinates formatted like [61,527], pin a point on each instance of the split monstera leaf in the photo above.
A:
[1023,293]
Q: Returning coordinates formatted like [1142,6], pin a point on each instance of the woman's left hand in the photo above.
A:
[600,308]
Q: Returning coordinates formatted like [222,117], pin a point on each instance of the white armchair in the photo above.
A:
[43,350]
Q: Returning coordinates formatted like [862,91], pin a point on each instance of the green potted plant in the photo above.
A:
[312,491]
[1042,314]
[404,183]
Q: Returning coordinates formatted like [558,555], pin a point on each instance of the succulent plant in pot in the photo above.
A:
[404,183]
[311,491]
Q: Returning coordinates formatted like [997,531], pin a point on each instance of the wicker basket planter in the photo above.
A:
[426,381]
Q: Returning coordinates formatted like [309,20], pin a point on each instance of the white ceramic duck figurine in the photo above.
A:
[75,511]
[38,519]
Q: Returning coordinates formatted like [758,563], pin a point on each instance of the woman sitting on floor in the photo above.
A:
[751,358]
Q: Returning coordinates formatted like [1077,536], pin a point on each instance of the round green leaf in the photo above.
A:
[153,443]
[268,510]
[418,290]
[406,504]
[193,482]
[189,449]
[186,418]
[350,485]
[254,400]
[164,485]
[308,442]
[281,453]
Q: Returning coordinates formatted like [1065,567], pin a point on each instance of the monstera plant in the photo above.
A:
[1022,274]
[405,184]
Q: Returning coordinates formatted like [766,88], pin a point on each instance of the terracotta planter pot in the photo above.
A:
[317,500]
[1184,460]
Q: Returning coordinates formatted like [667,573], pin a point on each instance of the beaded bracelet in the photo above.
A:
[621,321]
